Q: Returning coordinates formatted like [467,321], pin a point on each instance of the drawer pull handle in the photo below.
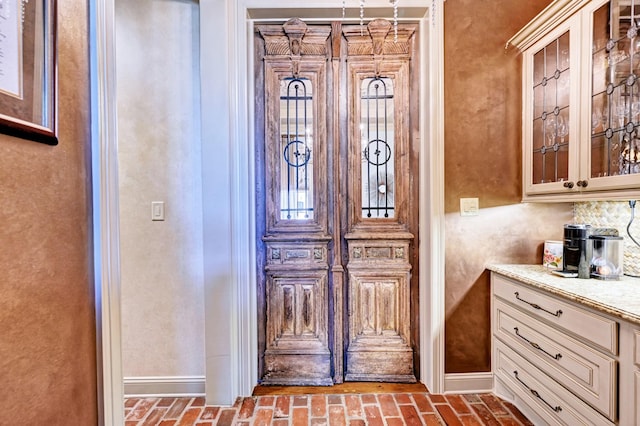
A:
[536,306]
[535,345]
[535,393]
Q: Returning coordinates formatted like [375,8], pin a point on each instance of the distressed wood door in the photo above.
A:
[337,200]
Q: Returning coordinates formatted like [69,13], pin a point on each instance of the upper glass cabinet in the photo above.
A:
[550,85]
[581,100]
[615,99]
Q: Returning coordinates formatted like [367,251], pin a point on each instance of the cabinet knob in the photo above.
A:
[582,183]
[568,184]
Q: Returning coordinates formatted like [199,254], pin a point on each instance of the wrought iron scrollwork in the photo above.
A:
[377,135]
[296,152]
[299,157]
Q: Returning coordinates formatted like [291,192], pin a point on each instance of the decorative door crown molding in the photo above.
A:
[378,40]
[294,39]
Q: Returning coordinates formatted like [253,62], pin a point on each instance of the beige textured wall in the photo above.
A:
[483,159]
[47,318]
[159,160]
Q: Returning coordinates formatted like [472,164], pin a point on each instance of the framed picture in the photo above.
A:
[28,70]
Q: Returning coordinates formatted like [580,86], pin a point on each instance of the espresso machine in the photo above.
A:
[574,251]
[592,252]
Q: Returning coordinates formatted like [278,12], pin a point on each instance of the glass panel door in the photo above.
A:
[615,100]
[551,78]
[338,208]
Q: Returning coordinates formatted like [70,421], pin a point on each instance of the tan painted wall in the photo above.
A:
[47,342]
[483,159]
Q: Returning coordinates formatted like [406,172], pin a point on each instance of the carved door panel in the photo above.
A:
[380,205]
[338,208]
[295,271]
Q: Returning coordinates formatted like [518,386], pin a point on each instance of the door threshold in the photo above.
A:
[341,388]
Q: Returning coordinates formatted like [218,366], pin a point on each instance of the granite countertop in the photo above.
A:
[619,298]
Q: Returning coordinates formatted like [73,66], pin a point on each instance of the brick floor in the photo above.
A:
[390,409]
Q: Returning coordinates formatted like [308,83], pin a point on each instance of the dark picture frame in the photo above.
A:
[28,70]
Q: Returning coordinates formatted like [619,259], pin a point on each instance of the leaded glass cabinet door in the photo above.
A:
[612,158]
[551,116]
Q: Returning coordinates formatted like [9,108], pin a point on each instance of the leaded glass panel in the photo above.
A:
[615,101]
[551,78]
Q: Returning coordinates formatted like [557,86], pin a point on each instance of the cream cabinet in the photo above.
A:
[562,362]
[555,360]
[581,101]
[630,374]
[636,378]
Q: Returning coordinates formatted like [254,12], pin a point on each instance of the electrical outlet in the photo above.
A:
[157,210]
[469,207]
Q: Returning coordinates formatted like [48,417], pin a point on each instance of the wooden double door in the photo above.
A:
[337,183]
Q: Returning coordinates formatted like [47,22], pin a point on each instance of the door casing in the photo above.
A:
[228,24]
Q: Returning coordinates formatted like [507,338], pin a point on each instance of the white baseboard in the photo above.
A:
[164,386]
[181,386]
[468,382]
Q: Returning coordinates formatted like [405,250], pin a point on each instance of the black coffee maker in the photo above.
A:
[576,237]
[578,247]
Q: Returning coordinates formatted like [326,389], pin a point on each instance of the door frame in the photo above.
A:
[227,21]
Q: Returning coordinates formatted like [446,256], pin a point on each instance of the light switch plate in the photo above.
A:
[157,210]
[469,207]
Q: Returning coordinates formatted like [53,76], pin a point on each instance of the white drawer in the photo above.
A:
[583,323]
[588,373]
[550,400]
